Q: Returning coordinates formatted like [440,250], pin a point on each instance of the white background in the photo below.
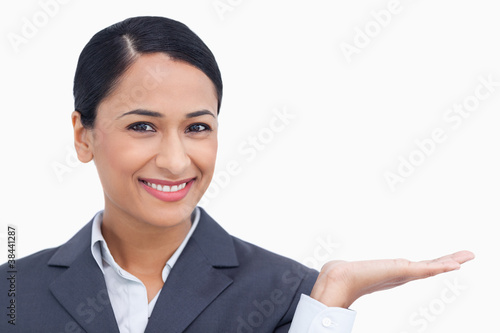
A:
[322,178]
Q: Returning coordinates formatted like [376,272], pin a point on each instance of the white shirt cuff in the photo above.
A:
[312,316]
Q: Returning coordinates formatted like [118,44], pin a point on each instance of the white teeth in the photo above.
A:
[166,188]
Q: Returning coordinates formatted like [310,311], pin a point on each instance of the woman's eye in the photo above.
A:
[198,128]
[141,127]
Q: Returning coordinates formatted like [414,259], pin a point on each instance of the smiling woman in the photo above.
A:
[147,98]
[167,138]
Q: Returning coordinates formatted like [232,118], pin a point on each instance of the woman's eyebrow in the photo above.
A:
[143,113]
[199,113]
[149,113]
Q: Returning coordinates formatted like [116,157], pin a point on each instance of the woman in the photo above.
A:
[147,96]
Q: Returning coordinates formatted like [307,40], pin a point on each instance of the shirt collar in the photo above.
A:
[101,253]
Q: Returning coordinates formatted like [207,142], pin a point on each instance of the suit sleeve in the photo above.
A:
[306,315]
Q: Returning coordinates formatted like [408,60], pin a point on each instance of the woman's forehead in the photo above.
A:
[156,80]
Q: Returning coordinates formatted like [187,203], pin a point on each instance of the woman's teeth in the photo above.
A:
[166,188]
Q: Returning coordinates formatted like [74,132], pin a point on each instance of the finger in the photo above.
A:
[458,257]
[462,256]
[440,265]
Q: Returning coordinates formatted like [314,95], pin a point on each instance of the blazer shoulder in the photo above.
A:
[32,261]
[250,262]
[61,255]
[271,265]
[273,279]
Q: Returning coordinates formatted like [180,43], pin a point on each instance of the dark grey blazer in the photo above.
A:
[219,284]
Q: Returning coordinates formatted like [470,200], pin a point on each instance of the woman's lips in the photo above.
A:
[167,190]
[166,182]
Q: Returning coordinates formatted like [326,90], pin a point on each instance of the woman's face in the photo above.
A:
[154,141]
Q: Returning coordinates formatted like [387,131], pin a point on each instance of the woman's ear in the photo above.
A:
[83,138]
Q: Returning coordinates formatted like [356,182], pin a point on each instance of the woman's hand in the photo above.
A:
[340,283]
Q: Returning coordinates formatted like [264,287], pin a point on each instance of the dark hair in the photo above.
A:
[111,51]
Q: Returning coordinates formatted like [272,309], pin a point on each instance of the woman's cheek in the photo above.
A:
[134,151]
[205,154]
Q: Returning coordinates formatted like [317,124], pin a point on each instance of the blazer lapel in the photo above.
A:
[195,280]
[81,289]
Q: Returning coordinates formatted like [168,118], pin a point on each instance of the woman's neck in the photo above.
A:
[139,247]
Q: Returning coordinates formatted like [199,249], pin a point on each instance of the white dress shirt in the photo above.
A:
[129,298]
[312,316]
[127,294]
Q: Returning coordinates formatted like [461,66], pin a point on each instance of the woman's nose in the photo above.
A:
[172,155]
